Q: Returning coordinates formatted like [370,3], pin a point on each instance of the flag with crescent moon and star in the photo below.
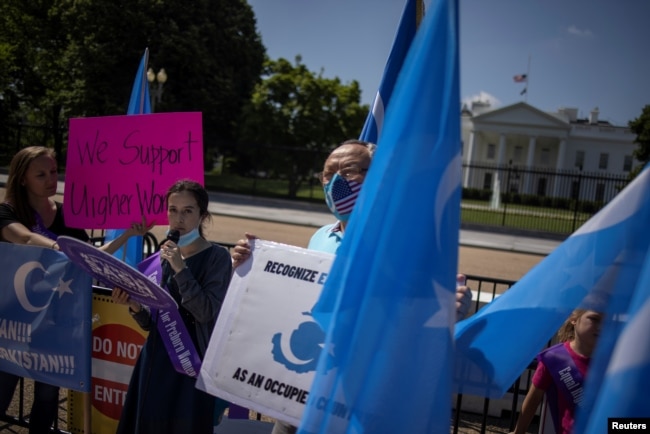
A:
[45,317]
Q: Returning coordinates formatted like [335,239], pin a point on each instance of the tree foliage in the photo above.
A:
[68,58]
[302,115]
[641,127]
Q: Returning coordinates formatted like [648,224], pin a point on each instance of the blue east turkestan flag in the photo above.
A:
[140,103]
[589,270]
[388,303]
[619,376]
[45,317]
[403,38]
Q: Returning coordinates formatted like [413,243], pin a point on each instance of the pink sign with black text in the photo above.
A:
[119,167]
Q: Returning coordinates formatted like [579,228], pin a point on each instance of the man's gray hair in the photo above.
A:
[369,145]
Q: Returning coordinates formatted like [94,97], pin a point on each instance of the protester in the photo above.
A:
[561,371]
[30,216]
[343,174]
[197,273]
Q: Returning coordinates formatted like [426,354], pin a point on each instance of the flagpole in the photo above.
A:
[527,80]
[144,82]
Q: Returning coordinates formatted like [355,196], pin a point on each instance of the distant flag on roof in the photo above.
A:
[520,78]
[389,317]
[140,103]
[403,38]
[607,253]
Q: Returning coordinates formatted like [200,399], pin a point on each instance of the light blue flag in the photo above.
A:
[388,304]
[494,346]
[45,317]
[140,103]
[619,376]
[401,44]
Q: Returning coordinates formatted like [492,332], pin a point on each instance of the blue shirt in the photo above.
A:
[327,239]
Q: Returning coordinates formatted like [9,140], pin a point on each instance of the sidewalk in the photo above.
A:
[309,214]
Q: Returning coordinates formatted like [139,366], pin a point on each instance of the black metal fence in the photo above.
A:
[16,136]
[535,199]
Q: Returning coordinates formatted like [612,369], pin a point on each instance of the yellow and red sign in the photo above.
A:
[116,344]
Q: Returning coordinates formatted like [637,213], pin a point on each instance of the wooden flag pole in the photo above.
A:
[87,412]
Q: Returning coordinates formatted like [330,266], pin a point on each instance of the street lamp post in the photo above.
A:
[156,91]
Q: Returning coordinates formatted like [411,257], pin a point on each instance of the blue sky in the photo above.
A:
[583,53]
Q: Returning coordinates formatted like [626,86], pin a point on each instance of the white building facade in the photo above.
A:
[536,142]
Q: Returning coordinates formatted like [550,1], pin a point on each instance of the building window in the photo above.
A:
[487,181]
[491,151]
[545,158]
[580,159]
[602,161]
[627,163]
[519,152]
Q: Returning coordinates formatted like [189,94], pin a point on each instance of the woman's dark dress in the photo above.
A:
[159,399]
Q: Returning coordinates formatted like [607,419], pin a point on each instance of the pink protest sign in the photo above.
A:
[119,167]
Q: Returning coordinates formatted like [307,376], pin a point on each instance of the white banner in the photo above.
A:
[265,347]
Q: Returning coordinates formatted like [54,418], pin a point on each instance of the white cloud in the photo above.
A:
[482,96]
[581,33]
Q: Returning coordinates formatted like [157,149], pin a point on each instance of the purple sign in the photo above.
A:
[114,273]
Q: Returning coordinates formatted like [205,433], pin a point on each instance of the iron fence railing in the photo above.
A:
[535,199]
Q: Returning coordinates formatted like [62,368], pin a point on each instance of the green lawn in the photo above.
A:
[556,224]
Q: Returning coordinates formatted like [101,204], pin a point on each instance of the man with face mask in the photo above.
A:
[343,174]
[342,177]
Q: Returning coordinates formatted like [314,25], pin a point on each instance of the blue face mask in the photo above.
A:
[341,195]
[188,238]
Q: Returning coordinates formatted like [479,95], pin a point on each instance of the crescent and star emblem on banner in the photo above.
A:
[20,279]
[301,351]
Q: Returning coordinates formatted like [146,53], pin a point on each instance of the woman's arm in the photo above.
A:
[17,233]
[136,229]
[528,409]
[140,314]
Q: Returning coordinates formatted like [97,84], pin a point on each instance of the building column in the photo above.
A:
[532,142]
[468,160]
[502,149]
[559,165]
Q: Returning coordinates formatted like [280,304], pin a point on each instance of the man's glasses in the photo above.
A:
[349,173]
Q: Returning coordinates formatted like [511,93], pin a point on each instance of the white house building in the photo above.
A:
[538,142]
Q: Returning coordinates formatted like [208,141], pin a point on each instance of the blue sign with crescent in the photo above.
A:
[45,311]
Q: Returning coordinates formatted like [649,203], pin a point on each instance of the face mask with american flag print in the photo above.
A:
[341,195]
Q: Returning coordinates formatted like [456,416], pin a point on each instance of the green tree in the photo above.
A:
[70,58]
[641,127]
[33,42]
[295,116]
